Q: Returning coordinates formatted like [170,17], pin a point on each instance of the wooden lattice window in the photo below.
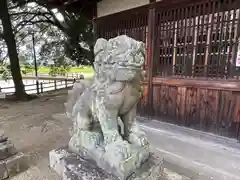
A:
[132,23]
[198,39]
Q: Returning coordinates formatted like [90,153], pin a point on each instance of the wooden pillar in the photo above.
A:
[150,56]
[232,64]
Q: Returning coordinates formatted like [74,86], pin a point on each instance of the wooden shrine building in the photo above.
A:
[193,58]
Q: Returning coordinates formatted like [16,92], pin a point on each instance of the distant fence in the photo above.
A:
[41,87]
[68,75]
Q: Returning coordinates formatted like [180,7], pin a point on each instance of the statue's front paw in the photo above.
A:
[123,152]
[119,150]
[94,139]
[112,136]
[139,139]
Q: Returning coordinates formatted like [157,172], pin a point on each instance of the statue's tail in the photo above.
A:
[73,95]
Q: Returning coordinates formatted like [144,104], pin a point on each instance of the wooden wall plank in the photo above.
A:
[191,107]
[180,105]
[164,100]
[172,103]
[212,110]
[156,100]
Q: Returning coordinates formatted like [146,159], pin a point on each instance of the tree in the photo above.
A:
[9,38]
[76,34]
[78,38]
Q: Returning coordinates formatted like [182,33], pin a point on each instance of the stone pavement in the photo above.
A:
[193,153]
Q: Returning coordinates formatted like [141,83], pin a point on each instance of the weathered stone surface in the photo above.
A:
[7,149]
[3,170]
[2,95]
[11,162]
[56,161]
[152,169]
[123,164]
[105,134]
[97,108]
[13,165]
[72,167]
[3,138]
[16,164]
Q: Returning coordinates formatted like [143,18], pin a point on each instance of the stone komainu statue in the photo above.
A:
[98,107]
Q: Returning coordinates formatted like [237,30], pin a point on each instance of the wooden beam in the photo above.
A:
[175,46]
[236,45]
[209,43]
[150,56]
[224,85]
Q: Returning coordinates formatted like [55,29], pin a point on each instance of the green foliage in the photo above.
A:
[80,41]
[68,68]
[27,69]
[81,69]
[5,72]
[53,71]
[61,71]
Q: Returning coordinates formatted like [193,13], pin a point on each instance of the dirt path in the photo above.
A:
[33,130]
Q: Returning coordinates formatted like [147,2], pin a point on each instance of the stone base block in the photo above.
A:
[7,149]
[2,95]
[3,138]
[3,170]
[72,167]
[13,165]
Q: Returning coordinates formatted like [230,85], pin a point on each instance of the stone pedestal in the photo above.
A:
[2,95]
[72,167]
[11,162]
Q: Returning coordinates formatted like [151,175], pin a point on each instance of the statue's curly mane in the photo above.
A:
[121,52]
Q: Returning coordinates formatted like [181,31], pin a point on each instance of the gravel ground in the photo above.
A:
[33,130]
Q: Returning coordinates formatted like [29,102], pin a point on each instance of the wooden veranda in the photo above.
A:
[193,60]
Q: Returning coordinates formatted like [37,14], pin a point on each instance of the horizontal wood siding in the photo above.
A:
[206,109]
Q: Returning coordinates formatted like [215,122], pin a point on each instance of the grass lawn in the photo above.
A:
[84,69]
